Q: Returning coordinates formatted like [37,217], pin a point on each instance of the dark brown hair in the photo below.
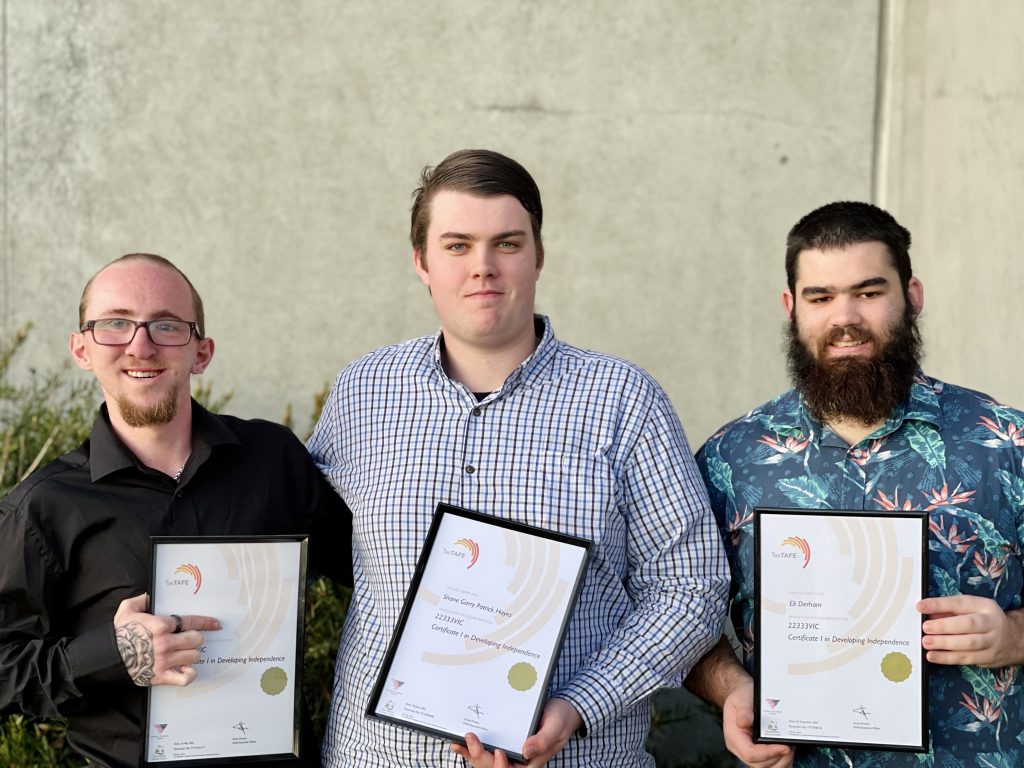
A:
[478,172]
[838,225]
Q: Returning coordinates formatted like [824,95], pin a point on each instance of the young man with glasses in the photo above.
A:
[76,640]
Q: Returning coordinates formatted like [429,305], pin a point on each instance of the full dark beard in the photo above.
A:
[148,416]
[865,390]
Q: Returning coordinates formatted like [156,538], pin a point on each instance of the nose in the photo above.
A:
[485,262]
[141,344]
[845,311]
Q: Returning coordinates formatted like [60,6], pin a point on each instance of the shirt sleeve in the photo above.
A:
[734,524]
[40,671]
[327,518]
[677,577]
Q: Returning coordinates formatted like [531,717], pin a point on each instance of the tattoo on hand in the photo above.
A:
[135,644]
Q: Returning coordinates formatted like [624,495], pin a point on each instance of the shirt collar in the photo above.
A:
[527,371]
[922,404]
[108,454]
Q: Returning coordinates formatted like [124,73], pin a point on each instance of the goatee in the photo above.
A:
[861,389]
[149,415]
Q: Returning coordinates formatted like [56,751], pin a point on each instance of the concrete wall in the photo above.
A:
[270,150]
[951,161]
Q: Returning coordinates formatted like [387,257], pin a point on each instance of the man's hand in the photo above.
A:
[558,723]
[969,630]
[153,648]
[738,730]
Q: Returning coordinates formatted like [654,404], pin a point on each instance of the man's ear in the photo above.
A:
[79,352]
[915,295]
[203,356]
[788,303]
[419,263]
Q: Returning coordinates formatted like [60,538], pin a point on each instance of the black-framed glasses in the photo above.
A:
[113,331]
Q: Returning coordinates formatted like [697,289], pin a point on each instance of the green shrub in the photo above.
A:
[47,415]
[40,418]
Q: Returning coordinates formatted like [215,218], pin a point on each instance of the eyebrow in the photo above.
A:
[817,290]
[473,238]
[160,314]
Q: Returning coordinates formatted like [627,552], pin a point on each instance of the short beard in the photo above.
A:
[148,416]
[863,390]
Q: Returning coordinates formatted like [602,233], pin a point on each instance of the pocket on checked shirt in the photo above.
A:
[570,493]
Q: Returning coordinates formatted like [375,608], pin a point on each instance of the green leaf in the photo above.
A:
[808,492]
[948,586]
[986,530]
[720,474]
[1000,411]
[994,760]
[1013,488]
[925,441]
[982,681]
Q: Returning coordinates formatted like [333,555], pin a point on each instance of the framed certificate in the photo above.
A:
[480,630]
[838,658]
[245,701]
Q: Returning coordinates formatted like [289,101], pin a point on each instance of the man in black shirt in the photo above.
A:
[76,640]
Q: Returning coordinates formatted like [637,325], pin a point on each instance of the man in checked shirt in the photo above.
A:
[494,414]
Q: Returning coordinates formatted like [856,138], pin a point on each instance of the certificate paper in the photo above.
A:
[480,630]
[839,657]
[244,701]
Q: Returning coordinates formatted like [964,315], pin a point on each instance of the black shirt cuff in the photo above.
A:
[95,660]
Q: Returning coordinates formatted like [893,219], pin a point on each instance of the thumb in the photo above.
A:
[542,741]
[745,718]
[137,604]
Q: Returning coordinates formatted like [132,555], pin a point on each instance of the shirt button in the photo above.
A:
[470,469]
[476,411]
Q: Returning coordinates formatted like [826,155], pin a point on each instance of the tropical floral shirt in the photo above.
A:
[953,452]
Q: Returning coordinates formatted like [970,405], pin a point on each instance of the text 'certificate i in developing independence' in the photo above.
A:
[837,632]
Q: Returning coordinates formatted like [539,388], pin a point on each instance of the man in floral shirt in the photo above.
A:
[864,428]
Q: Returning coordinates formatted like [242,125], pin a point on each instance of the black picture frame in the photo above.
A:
[398,636]
[760,652]
[296,671]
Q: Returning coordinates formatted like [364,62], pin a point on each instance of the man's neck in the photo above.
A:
[485,370]
[852,431]
[163,447]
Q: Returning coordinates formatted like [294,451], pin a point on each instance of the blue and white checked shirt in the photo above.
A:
[574,441]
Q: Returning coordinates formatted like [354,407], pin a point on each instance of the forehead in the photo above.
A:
[840,267]
[461,212]
[139,288]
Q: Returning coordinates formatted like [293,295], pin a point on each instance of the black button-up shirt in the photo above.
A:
[74,543]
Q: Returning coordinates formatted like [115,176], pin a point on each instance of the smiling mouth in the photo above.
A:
[846,344]
[143,374]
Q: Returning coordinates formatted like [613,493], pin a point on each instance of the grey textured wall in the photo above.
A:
[270,149]
[951,156]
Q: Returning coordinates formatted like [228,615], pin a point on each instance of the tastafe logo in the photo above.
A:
[472,547]
[191,570]
[802,545]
